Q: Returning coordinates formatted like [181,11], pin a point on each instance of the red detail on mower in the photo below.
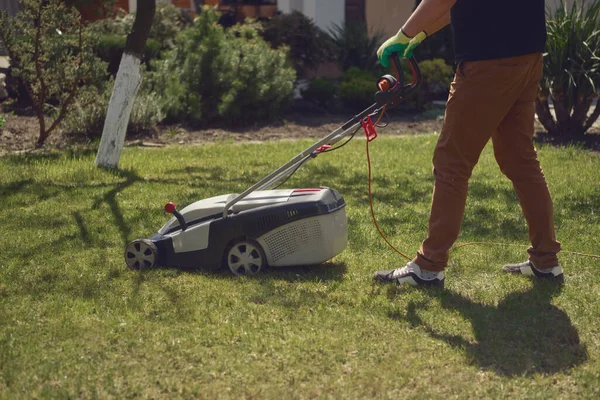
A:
[369,127]
[306,190]
[323,148]
[170,207]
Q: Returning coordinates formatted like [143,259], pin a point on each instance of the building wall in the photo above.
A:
[324,13]
[10,6]
[387,16]
[179,3]
[553,4]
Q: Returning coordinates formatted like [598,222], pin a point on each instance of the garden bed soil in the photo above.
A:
[20,132]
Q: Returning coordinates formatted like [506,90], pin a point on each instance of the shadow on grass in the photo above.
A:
[110,198]
[325,272]
[329,271]
[276,286]
[37,156]
[589,141]
[523,335]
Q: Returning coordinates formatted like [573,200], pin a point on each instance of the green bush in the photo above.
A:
[168,21]
[51,54]
[571,70]
[309,46]
[437,76]
[215,73]
[110,49]
[435,84]
[357,89]
[88,115]
[321,91]
[2,120]
[356,47]
[111,34]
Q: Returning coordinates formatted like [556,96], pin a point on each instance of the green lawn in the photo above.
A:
[76,323]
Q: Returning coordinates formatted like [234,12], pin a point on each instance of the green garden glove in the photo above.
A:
[401,44]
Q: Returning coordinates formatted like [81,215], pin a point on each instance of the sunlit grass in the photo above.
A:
[76,323]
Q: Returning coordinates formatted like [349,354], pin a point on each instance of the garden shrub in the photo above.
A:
[321,91]
[357,89]
[435,84]
[214,73]
[437,76]
[569,86]
[356,47]
[88,114]
[51,54]
[110,49]
[309,46]
[111,34]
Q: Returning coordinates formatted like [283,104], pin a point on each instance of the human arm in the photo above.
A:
[438,25]
[430,14]
[429,17]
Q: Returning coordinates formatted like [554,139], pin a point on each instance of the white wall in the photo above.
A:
[324,13]
[553,4]
[329,12]
[133,4]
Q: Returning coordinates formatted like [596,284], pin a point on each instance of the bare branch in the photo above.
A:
[73,92]
[41,100]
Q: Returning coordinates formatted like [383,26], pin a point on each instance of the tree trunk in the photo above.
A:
[545,116]
[593,117]
[579,116]
[127,83]
[561,111]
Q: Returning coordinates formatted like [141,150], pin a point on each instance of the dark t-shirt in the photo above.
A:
[489,29]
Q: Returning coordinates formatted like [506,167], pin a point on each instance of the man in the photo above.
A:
[498,47]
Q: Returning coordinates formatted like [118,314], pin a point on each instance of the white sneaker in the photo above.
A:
[411,274]
[527,268]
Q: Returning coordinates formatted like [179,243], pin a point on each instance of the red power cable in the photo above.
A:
[456,246]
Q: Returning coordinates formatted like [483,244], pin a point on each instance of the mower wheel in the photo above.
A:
[141,254]
[245,257]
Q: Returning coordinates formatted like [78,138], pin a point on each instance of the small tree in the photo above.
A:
[51,52]
[126,85]
[571,70]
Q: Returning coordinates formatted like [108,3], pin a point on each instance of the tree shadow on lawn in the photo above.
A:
[36,156]
[523,335]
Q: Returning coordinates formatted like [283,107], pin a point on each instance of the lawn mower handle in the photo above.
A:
[414,68]
[392,89]
[387,96]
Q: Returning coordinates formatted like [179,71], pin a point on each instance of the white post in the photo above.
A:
[284,6]
[127,82]
[327,14]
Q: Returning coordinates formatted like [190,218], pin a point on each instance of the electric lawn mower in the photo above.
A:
[261,227]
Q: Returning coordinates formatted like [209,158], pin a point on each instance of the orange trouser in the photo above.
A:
[490,99]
